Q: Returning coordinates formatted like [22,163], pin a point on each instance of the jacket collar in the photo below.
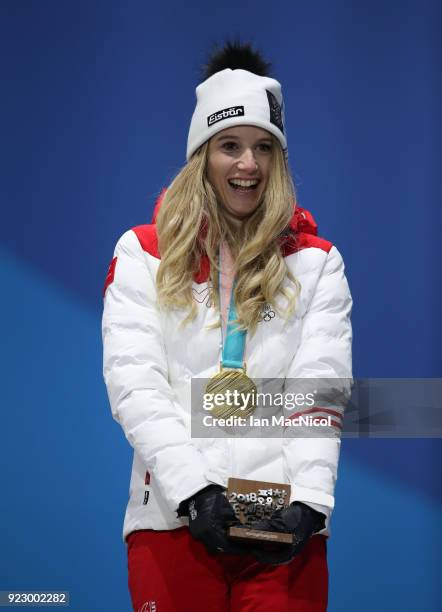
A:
[302,220]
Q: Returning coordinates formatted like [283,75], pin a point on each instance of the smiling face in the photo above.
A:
[238,167]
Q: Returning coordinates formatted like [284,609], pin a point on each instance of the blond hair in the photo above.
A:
[191,223]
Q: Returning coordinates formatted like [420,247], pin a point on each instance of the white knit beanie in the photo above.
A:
[236,97]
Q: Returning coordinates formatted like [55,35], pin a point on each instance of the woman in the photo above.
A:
[227,245]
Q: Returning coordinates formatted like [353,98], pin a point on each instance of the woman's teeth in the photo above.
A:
[243,185]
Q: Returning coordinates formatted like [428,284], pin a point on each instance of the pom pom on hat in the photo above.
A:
[236,55]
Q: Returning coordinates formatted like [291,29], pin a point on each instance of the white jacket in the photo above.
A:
[149,363]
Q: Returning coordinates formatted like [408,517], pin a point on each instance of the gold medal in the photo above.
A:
[233,392]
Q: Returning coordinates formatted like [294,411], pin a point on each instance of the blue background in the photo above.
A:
[96,102]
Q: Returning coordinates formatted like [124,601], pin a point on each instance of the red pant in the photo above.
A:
[169,571]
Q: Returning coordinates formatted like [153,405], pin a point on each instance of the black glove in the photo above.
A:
[300,520]
[210,514]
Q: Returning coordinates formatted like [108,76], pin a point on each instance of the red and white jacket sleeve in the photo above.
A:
[136,376]
[324,352]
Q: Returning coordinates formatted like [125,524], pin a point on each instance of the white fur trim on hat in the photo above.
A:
[236,97]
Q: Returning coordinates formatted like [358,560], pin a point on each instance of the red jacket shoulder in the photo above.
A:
[302,233]
[148,239]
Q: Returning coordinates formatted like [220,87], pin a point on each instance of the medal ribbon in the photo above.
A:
[234,343]
[232,374]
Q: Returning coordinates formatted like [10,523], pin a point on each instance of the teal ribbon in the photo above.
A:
[234,343]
